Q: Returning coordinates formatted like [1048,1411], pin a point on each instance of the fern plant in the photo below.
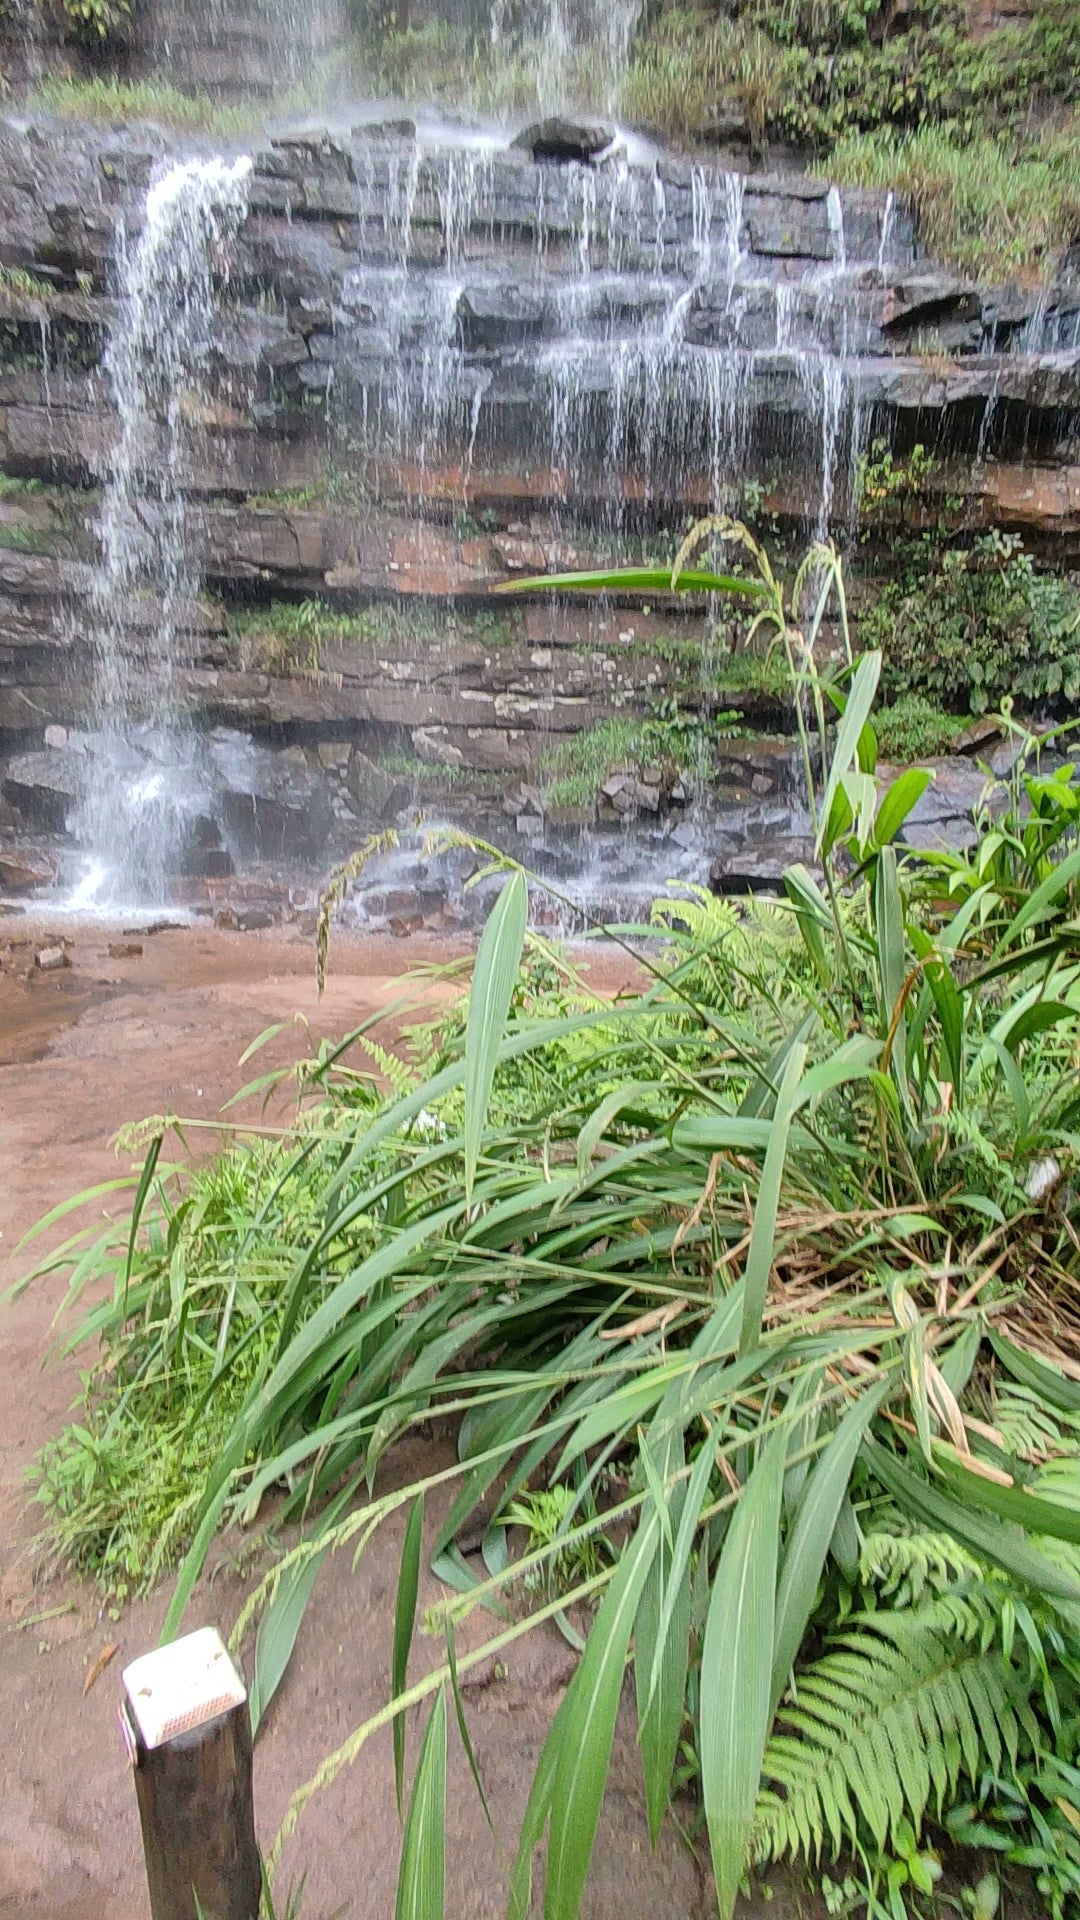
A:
[902,1707]
[905,1565]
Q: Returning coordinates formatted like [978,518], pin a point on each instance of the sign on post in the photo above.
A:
[185,1719]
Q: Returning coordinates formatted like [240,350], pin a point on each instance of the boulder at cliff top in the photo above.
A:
[564,140]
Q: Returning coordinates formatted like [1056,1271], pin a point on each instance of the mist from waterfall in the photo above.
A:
[140,791]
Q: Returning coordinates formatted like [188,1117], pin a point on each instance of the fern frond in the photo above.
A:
[1028,1427]
[910,1564]
[706,916]
[400,1077]
[902,1706]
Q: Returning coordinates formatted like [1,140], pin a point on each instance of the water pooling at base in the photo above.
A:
[139,772]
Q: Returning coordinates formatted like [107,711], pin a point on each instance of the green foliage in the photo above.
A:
[14,488]
[428,778]
[668,739]
[287,636]
[94,22]
[687,62]
[904,1707]
[969,625]
[20,539]
[753,1252]
[26,285]
[913,728]
[921,105]
[996,205]
[117,1488]
[547,1516]
[118,102]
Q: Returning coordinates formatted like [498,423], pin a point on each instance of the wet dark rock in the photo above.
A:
[22,872]
[759,866]
[785,227]
[269,807]
[726,124]
[395,129]
[928,297]
[377,795]
[489,318]
[562,139]
[43,787]
[943,816]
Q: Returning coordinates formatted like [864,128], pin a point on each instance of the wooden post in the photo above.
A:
[188,1731]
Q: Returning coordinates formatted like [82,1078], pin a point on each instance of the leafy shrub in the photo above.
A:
[967,627]
[94,22]
[913,728]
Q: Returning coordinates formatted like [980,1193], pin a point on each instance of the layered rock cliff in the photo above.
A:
[439,363]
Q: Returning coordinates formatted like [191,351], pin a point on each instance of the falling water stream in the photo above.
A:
[141,785]
[644,342]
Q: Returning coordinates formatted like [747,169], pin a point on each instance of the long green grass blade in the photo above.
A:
[497,961]
[1030,1370]
[857,708]
[678,1567]
[404,1622]
[812,1532]
[585,1751]
[1039,904]
[634,580]
[422,1876]
[760,1256]
[146,1181]
[661,1706]
[1029,1510]
[463,1725]
[281,1621]
[897,801]
[736,1672]
[536,1813]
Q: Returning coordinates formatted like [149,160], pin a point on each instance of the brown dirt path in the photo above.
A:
[81,1051]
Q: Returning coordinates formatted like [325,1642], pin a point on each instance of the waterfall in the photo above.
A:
[559,29]
[140,792]
[888,221]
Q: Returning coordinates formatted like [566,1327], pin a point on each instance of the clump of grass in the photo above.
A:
[578,765]
[25,285]
[995,206]
[12,487]
[745,671]
[286,636]
[428,778]
[118,102]
[19,539]
[686,64]
[914,728]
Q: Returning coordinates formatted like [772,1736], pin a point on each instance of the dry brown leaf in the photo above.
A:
[946,1406]
[98,1666]
[648,1323]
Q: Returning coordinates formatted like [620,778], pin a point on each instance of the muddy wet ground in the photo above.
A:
[84,1049]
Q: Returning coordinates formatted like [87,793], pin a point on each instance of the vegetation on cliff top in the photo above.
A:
[980,130]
